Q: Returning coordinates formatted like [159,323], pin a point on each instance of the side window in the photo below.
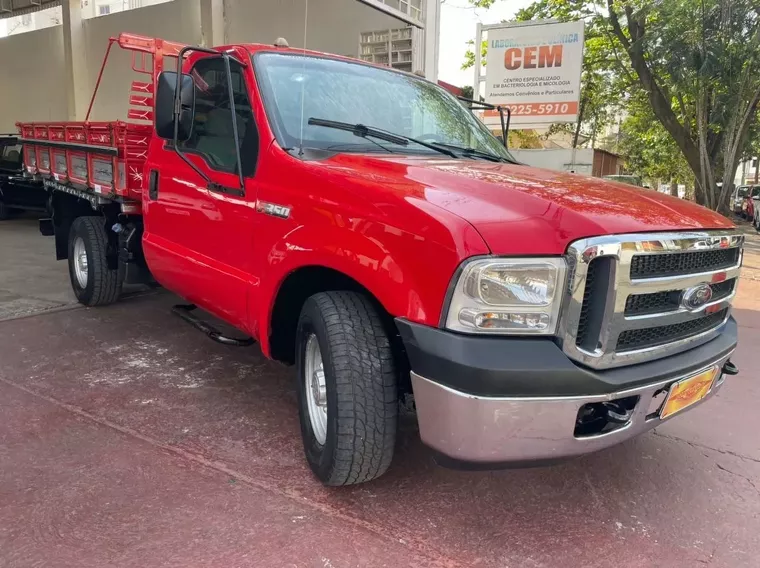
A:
[10,156]
[212,135]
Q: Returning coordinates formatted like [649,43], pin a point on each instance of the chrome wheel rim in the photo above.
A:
[316,391]
[80,262]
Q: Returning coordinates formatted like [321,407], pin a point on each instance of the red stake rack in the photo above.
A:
[104,158]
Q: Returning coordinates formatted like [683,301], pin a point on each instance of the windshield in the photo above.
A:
[360,94]
[742,191]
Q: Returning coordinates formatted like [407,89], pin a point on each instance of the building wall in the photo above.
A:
[32,83]
[30,22]
[97,8]
[178,21]
[559,159]
[606,164]
[748,172]
[333,25]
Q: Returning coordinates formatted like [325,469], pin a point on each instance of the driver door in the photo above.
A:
[199,235]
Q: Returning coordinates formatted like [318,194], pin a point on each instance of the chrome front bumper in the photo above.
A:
[520,431]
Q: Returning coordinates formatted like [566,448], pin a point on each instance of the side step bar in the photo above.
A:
[185,312]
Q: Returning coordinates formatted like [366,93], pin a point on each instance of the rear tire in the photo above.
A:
[93,282]
[354,383]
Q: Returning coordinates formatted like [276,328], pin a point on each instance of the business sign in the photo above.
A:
[535,70]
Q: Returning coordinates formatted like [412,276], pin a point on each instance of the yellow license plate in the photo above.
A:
[689,391]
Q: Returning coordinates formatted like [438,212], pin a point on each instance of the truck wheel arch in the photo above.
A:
[321,258]
[66,209]
[295,289]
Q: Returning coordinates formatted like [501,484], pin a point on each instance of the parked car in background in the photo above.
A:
[18,192]
[630,180]
[750,204]
[737,200]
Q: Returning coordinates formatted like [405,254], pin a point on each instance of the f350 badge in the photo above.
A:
[273,209]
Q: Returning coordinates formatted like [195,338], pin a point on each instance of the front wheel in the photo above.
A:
[94,282]
[347,394]
[4,211]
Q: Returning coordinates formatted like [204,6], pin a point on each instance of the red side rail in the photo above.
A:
[106,158]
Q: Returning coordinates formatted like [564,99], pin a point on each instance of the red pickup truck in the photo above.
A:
[362,224]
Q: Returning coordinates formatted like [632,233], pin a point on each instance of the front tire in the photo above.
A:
[93,281]
[5,213]
[347,392]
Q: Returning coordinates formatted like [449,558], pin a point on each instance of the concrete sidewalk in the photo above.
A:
[127,438]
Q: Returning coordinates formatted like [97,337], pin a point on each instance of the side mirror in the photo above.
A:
[164,113]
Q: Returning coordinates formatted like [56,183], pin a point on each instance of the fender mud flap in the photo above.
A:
[46,228]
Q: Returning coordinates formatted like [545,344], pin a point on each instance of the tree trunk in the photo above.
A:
[705,173]
[578,125]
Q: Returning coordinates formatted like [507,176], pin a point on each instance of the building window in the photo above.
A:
[104,10]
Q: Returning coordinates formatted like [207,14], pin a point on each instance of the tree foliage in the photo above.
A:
[698,61]
[482,3]
[650,151]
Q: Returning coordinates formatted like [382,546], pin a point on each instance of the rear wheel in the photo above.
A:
[347,394]
[93,281]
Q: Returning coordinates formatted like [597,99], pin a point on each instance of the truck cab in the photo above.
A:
[17,192]
[361,224]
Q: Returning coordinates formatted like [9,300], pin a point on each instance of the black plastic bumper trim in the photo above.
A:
[528,367]
[463,465]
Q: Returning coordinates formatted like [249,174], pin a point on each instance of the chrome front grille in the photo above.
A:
[662,335]
[670,300]
[677,264]
[625,299]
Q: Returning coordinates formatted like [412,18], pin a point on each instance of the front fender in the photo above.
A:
[408,274]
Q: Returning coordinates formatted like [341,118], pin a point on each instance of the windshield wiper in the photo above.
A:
[363,131]
[475,153]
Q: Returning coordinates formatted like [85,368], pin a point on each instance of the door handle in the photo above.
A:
[153,185]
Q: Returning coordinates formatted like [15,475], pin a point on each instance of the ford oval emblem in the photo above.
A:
[695,298]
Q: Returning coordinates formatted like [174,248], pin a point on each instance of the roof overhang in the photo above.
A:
[10,8]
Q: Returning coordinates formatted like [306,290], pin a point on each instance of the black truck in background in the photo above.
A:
[17,191]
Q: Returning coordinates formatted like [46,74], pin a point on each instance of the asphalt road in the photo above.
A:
[127,438]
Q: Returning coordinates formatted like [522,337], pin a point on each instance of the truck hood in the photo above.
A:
[524,210]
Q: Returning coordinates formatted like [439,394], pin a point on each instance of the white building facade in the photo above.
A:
[61,43]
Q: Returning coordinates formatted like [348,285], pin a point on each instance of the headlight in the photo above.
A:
[508,296]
